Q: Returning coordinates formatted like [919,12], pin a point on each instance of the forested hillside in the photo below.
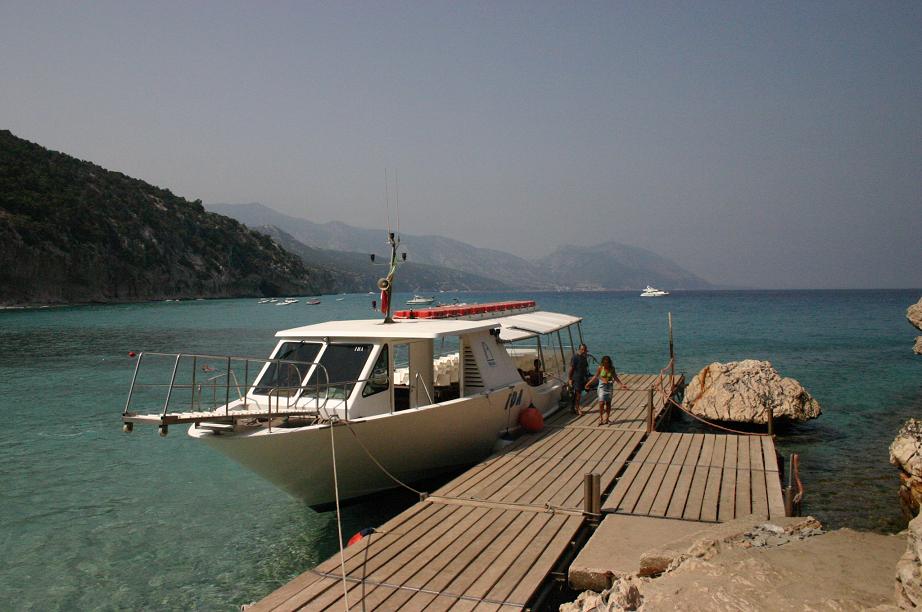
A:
[71,231]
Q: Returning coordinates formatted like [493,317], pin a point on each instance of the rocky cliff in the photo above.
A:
[71,231]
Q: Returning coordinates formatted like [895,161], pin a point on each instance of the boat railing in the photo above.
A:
[167,383]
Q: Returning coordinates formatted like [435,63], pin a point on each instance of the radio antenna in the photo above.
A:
[397,203]
[387,203]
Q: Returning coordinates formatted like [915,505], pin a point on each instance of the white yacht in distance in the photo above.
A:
[417,300]
[653,292]
[350,406]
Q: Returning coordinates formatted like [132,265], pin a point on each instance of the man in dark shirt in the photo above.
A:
[578,375]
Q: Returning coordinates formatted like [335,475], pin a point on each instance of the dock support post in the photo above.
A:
[592,495]
[650,411]
[788,501]
[597,495]
[771,423]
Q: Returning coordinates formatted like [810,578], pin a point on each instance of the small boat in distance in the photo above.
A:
[419,299]
[312,302]
[287,302]
[653,292]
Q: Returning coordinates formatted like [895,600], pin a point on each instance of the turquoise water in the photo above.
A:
[92,518]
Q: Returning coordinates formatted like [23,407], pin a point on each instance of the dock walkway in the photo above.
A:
[491,538]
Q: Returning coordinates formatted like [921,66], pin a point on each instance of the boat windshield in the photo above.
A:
[343,364]
[283,378]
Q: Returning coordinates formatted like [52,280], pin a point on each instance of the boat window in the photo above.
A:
[343,364]
[379,380]
[284,377]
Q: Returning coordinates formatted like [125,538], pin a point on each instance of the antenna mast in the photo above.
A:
[386,283]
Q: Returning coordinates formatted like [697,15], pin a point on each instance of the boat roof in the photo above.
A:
[515,327]
[529,325]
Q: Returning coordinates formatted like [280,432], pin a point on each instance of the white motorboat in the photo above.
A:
[653,292]
[419,300]
[406,398]
[287,302]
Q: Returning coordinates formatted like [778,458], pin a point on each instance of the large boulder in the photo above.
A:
[909,569]
[917,349]
[914,314]
[906,453]
[742,391]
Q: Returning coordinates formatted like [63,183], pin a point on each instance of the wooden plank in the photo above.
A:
[626,445]
[478,552]
[755,453]
[528,585]
[726,510]
[660,504]
[617,500]
[768,454]
[518,551]
[715,476]
[645,502]
[520,565]
[775,497]
[759,493]
[699,481]
[642,478]
[358,564]
[743,479]
[379,568]
[684,482]
[419,570]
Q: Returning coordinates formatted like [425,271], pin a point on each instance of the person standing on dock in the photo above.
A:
[578,374]
[607,377]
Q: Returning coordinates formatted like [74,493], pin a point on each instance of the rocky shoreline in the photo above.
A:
[789,563]
[914,316]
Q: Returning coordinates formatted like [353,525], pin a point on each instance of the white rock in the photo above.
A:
[742,391]
[906,448]
[914,314]
[909,569]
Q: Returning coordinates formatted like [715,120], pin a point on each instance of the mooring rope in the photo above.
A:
[339,522]
[378,463]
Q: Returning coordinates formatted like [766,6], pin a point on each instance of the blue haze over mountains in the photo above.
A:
[609,265]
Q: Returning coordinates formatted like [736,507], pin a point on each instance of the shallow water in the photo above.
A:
[91,518]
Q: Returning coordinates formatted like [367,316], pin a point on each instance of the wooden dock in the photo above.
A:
[496,536]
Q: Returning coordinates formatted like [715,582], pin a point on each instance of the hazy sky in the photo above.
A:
[757,144]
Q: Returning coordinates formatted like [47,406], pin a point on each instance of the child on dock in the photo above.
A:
[606,376]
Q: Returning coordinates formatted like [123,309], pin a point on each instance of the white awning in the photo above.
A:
[520,327]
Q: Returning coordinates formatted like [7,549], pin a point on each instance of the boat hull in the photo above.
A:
[411,445]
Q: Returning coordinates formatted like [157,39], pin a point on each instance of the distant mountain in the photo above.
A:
[612,265]
[606,266]
[507,269]
[71,231]
[355,272]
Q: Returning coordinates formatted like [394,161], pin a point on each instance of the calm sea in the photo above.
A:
[92,518]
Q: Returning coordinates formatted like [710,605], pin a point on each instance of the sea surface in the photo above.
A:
[94,518]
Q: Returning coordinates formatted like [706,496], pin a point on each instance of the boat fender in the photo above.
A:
[384,300]
[361,534]
[530,419]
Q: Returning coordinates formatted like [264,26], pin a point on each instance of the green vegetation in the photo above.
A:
[71,231]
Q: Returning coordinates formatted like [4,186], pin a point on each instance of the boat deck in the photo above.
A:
[493,537]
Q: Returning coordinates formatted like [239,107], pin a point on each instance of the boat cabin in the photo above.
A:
[364,368]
